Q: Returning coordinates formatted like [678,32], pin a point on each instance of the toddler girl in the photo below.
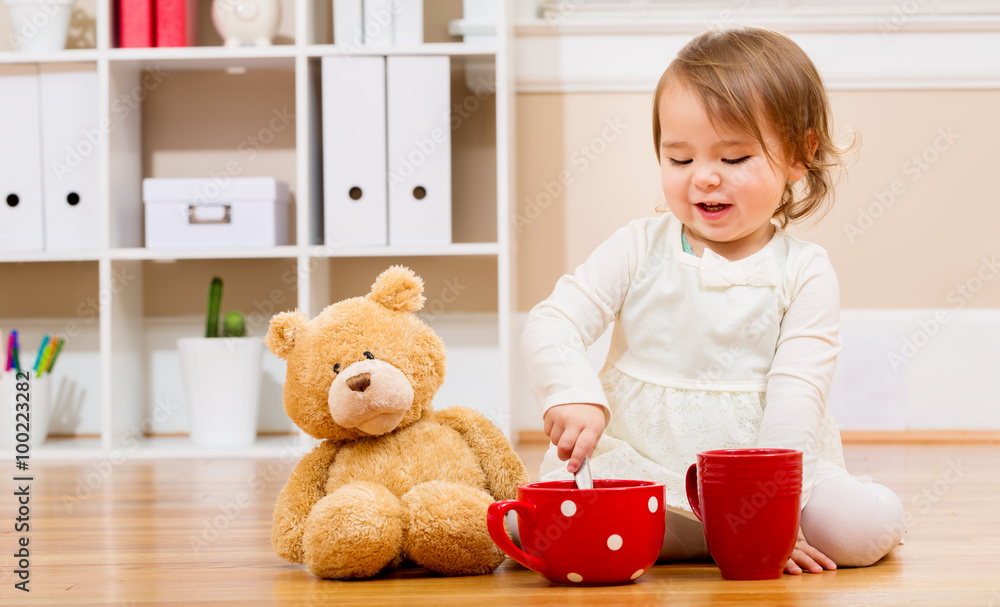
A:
[725,325]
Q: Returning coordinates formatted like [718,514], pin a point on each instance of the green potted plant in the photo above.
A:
[222,378]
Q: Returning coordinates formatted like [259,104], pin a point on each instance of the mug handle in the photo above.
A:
[692,490]
[494,523]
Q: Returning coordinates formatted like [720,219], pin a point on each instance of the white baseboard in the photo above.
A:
[946,362]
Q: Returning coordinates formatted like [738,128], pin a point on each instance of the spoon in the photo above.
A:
[582,475]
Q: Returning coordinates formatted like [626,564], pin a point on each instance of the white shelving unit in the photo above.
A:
[122,325]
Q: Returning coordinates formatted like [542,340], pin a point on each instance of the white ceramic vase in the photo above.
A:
[39,25]
[222,388]
[242,22]
[38,413]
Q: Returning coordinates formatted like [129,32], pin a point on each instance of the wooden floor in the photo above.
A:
[197,532]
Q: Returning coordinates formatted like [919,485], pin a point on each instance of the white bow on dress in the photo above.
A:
[757,270]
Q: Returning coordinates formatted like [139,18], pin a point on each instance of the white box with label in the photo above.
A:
[215,213]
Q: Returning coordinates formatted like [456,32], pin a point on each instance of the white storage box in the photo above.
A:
[216,213]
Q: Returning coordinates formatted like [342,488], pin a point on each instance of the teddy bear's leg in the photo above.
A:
[446,529]
[354,532]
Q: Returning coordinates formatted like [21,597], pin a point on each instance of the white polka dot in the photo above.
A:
[653,505]
[575,577]
[615,542]
[640,572]
[568,508]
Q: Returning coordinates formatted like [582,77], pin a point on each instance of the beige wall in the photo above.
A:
[944,219]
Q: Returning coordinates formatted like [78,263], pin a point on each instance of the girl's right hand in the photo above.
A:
[574,428]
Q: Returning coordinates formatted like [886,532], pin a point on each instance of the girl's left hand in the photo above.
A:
[806,557]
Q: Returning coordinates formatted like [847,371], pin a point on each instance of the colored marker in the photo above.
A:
[16,350]
[55,353]
[43,361]
[48,356]
[41,352]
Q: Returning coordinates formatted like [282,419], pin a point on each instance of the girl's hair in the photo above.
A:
[749,76]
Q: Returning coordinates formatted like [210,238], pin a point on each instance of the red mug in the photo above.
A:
[748,503]
[610,534]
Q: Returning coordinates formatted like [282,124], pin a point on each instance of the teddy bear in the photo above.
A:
[394,482]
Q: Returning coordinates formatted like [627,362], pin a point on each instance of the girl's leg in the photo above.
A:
[852,522]
[515,536]
[684,540]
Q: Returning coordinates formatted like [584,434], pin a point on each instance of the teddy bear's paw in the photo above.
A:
[354,532]
[446,529]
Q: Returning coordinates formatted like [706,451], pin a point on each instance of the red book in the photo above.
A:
[176,22]
[135,23]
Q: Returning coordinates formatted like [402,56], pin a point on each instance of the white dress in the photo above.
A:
[705,354]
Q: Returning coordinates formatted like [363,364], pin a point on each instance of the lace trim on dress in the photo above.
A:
[656,432]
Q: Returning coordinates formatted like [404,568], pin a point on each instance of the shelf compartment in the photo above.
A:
[193,123]
[472,126]
[166,301]
[60,299]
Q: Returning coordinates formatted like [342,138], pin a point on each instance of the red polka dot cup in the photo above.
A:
[610,534]
[748,502]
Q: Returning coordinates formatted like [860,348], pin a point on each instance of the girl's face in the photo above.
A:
[716,181]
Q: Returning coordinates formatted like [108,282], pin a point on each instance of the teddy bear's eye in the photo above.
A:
[336,368]
[369,356]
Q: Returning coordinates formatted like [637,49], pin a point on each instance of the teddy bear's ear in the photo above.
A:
[398,288]
[285,327]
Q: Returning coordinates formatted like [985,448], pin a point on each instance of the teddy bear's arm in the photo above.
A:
[305,487]
[504,469]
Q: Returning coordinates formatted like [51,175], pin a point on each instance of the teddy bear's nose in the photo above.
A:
[360,382]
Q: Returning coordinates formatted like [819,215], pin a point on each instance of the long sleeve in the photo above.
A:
[804,361]
[582,305]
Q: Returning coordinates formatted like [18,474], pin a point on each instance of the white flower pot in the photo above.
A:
[38,415]
[39,25]
[222,388]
